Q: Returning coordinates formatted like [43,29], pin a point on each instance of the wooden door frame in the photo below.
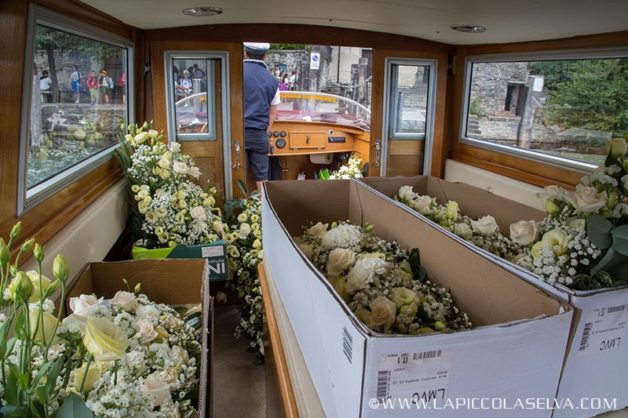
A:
[439,146]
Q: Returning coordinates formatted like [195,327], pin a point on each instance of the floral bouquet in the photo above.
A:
[384,285]
[583,242]
[121,357]
[245,253]
[350,171]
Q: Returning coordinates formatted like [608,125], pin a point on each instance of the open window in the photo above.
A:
[557,107]
[77,79]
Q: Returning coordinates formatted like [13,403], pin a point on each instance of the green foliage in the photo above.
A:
[474,107]
[74,407]
[274,47]
[591,94]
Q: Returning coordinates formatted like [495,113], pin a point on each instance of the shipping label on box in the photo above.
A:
[215,254]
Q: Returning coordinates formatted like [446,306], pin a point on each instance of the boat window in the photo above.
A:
[409,92]
[560,108]
[78,89]
[191,96]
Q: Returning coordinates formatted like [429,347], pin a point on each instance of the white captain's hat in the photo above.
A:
[256,48]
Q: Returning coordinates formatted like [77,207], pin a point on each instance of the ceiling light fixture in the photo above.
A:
[469,28]
[202,11]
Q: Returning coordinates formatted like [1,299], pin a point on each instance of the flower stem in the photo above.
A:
[89,363]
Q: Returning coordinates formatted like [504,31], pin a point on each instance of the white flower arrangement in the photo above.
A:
[581,243]
[351,170]
[382,283]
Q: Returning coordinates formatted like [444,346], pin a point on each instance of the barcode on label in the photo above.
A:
[383,384]
[347,344]
[618,308]
[427,354]
[585,336]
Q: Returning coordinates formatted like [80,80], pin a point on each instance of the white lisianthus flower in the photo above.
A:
[406,193]
[362,273]
[135,188]
[141,137]
[151,217]
[84,304]
[85,378]
[402,296]
[175,147]
[195,172]
[180,168]
[198,212]
[125,300]
[452,209]
[42,331]
[128,137]
[317,230]
[339,260]
[142,207]
[342,236]
[245,230]
[486,225]
[422,204]
[617,147]
[161,212]
[153,133]
[383,312]
[463,230]
[587,199]
[163,162]
[523,232]
[146,331]
[242,217]
[556,240]
[156,389]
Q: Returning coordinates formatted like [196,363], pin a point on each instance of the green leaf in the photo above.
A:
[609,262]
[11,390]
[42,394]
[11,411]
[4,335]
[598,231]
[620,239]
[415,264]
[74,407]
[54,373]
[243,188]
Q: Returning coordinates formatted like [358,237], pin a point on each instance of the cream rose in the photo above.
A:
[317,230]
[195,172]
[362,273]
[156,389]
[486,225]
[104,340]
[85,378]
[383,312]
[587,199]
[406,193]
[42,330]
[180,168]
[163,162]
[423,204]
[342,236]
[307,250]
[146,331]
[339,260]
[245,230]
[125,300]
[365,316]
[198,212]
[463,230]
[82,305]
[523,232]
[402,296]
[141,137]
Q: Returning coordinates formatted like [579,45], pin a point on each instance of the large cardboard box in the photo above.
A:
[513,354]
[172,282]
[597,362]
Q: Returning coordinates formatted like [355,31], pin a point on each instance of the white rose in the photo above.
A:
[181,168]
[463,230]
[125,300]
[486,225]
[245,230]
[195,172]
[383,312]
[146,331]
[339,260]
[362,273]
[307,250]
[198,212]
[179,355]
[587,199]
[317,230]
[422,204]
[175,147]
[523,232]
[406,193]
[342,236]
[147,311]
[156,389]
[84,304]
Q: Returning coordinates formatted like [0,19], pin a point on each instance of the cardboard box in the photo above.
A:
[215,254]
[514,352]
[597,362]
[171,282]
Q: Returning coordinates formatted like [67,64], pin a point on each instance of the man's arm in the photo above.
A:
[272,115]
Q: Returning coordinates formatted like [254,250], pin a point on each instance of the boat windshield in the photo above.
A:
[302,106]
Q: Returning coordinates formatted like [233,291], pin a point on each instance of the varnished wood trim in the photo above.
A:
[406,147]
[306,34]
[283,375]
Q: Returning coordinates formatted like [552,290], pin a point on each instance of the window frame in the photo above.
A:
[550,55]
[29,198]
[394,108]
[173,136]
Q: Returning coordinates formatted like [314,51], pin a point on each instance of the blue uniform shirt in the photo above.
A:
[259,90]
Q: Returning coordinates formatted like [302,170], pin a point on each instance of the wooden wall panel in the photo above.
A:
[405,158]
[524,169]
[48,218]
